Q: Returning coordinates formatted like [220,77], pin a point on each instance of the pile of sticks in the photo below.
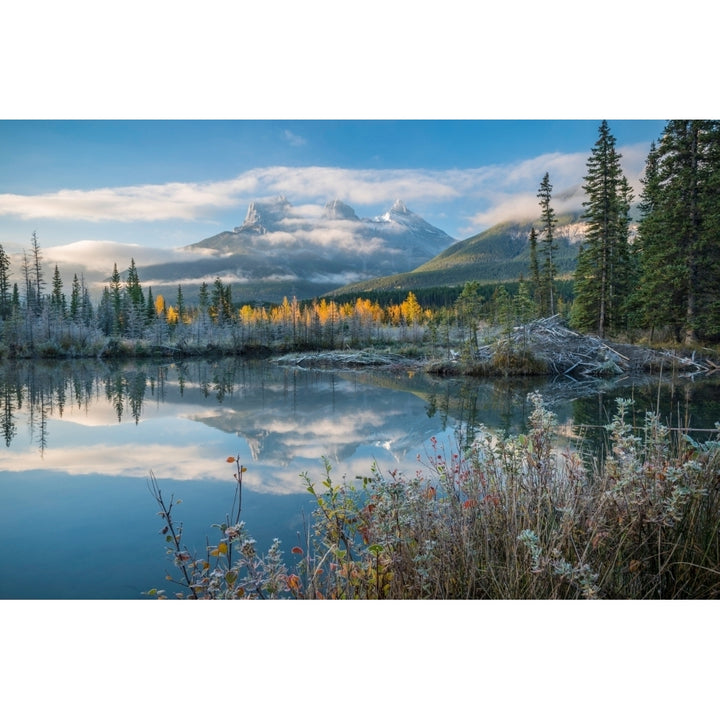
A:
[570,353]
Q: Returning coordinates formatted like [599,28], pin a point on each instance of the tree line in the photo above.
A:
[667,275]
[658,274]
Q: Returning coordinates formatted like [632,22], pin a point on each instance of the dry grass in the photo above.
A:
[503,518]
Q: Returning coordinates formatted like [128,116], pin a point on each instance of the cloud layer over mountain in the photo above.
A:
[496,189]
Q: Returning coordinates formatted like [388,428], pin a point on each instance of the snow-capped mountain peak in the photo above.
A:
[338,210]
[262,217]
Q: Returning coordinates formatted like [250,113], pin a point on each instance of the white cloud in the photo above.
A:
[191,201]
[293,139]
[496,190]
[99,255]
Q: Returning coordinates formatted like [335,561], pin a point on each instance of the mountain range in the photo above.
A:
[280,250]
[283,251]
[501,253]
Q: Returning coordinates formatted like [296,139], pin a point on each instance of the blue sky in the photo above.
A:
[229,83]
[169,183]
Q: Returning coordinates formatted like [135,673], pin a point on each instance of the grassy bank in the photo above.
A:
[502,518]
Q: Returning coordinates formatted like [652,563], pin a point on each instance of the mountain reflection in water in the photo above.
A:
[81,438]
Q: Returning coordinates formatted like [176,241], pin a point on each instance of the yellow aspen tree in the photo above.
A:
[172,315]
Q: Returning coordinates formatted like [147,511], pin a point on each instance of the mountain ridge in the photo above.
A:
[283,249]
[499,254]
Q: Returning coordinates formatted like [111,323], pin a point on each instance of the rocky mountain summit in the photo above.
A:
[280,250]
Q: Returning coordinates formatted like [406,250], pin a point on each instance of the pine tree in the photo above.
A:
[133,287]
[30,296]
[549,246]
[534,267]
[134,302]
[467,307]
[680,230]
[106,319]
[58,302]
[5,306]
[150,306]
[116,304]
[75,299]
[651,293]
[86,308]
[180,303]
[603,270]
[203,297]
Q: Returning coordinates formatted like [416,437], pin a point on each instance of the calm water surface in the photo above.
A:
[78,441]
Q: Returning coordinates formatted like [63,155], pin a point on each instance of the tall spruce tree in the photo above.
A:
[654,306]
[534,267]
[5,307]
[58,301]
[680,231]
[549,246]
[602,276]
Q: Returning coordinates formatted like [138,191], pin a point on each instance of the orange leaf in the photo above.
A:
[230,459]
[293,582]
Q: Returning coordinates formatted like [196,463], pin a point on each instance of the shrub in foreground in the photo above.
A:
[503,518]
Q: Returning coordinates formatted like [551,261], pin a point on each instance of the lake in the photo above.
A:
[80,439]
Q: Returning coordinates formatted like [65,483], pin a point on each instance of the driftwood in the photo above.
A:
[342,359]
[566,352]
[557,349]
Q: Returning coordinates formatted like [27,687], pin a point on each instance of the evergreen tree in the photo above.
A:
[5,306]
[549,246]
[75,299]
[534,267]
[150,306]
[180,303]
[58,301]
[86,308]
[603,270]
[116,304]
[133,287]
[203,298]
[15,304]
[651,294]
[134,302]
[467,307]
[30,297]
[504,311]
[106,318]
[680,230]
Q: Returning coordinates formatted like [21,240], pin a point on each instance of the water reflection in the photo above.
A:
[179,419]
[80,439]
